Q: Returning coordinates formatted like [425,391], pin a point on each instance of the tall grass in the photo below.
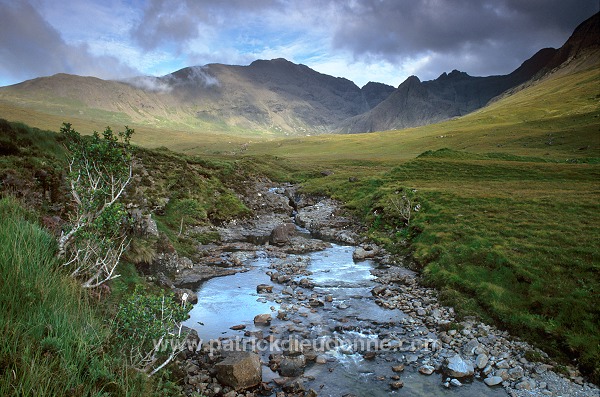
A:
[54,343]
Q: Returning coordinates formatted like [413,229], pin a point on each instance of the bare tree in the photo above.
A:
[405,206]
[100,168]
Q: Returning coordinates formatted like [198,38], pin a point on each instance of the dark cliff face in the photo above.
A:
[416,103]
[268,92]
[375,93]
[584,41]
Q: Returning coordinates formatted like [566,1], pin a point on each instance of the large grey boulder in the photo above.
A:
[282,233]
[362,253]
[457,367]
[291,366]
[240,370]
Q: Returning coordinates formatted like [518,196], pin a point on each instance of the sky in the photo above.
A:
[362,40]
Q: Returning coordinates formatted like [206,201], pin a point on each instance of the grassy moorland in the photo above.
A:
[54,340]
[58,338]
[509,201]
[180,139]
[509,207]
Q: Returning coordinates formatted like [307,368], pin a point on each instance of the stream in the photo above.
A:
[336,310]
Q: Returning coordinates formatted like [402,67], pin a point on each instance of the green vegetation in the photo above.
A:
[54,341]
[508,207]
[504,202]
[100,168]
[59,339]
[149,328]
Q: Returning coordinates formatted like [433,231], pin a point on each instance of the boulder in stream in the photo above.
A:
[264,288]
[263,319]
[240,370]
[457,367]
[282,233]
[360,253]
[291,366]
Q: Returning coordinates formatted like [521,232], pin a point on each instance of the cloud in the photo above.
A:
[31,47]
[364,40]
[200,75]
[165,22]
[149,83]
[425,37]
[479,36]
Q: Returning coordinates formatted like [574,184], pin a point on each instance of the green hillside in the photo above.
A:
[557,119]
[509,206]
[507,201]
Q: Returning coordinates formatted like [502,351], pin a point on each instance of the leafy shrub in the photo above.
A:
[149,328]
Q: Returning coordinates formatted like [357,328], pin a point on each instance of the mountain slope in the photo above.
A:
[275,96]
[417,103]
[278,97]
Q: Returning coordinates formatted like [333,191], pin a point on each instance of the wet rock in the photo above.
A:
[516,373]
[238,327]
[503,364]
[493,380]
[398,368]
[321,359]
[293,348]
[481,361]
[315,302]
[411,358]
[306,283]
[281,315]
[457,367]
[239,370]
[503,373]
[397,385]
[526,384]
[263,319]
[455,383]
[287,291]
[379,290]
[264,288]
[470,347]
[281,234]
[292,366]
[271,338]
[198,273]
[360,253]
[426,369]
[254,334]
[369,356]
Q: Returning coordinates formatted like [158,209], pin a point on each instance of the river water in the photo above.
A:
[352,319]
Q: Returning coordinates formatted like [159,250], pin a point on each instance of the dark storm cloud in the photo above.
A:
[483,36]
[30,47]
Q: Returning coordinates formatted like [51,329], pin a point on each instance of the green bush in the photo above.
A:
[54,343]
[149,329]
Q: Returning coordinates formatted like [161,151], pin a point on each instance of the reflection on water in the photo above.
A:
[231,300]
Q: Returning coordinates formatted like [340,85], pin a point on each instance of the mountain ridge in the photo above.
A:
[279,97]
[456,94]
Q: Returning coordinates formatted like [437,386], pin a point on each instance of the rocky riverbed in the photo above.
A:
[312,309]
